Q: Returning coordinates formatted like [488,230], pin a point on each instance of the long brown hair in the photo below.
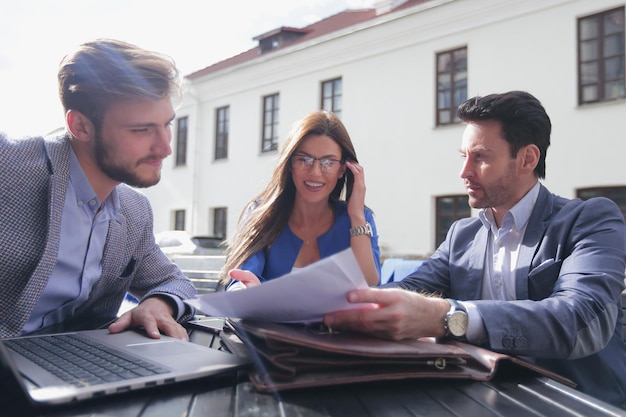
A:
[267,214]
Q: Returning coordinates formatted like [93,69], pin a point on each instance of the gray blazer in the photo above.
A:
[569,280]
[34,174]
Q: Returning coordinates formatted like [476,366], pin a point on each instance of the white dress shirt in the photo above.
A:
[503,245]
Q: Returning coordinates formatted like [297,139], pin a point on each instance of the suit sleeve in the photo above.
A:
[433,276]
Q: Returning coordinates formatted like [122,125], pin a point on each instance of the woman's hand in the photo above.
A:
[246,278]
[356,203]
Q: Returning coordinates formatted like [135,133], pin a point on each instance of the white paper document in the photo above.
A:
[304,295]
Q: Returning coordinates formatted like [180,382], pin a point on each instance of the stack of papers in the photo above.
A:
[302,296]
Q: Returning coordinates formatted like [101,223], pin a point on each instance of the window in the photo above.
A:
[219,221]
[449,209]
[617,194]
[222,121]
[179,220]
[451,84]
[332,94]
[601,56]
[181,142]
[269,132]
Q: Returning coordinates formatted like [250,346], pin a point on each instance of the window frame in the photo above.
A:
[269,123]
[455,94]
[182,130]
[178,219]
[222,130]
[460,210]
[332,102]
[220,221]
[599,62]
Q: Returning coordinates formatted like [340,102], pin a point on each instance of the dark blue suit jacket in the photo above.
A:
[569,280]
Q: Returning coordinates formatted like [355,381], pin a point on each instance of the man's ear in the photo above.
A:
[530,157]
[79,125]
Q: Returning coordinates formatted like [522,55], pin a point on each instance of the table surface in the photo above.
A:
[232,395]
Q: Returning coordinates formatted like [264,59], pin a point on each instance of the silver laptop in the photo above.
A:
[138,362]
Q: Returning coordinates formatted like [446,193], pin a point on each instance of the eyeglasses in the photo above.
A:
[305,163]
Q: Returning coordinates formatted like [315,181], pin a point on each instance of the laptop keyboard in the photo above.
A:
[81,361]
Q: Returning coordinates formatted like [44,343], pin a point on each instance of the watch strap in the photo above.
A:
[366,229]
[455,305]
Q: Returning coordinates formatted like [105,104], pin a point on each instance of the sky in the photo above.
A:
[36,34]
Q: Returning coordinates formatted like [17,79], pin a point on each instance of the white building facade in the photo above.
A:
[388,71]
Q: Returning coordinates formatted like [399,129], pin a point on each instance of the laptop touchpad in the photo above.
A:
[162,347]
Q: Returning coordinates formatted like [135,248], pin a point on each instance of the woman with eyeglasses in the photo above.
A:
[300,216]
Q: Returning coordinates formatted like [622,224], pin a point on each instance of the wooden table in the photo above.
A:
[232,395]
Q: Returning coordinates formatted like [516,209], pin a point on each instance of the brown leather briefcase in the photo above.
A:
[289,356]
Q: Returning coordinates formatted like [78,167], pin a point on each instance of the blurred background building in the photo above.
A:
[395,74]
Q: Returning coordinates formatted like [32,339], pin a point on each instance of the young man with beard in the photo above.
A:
[534,275]
[74,236]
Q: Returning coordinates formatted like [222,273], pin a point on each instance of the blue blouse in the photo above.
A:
[278,259]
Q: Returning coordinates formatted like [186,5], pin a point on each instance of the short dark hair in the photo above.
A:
[105,71]
[523,118]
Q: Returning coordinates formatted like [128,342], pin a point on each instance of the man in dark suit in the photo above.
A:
[74,237]
[534,275]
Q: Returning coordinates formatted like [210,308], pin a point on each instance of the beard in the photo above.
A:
[498,193]
[109,163]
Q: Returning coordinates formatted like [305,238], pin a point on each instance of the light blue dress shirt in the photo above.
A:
[84,229]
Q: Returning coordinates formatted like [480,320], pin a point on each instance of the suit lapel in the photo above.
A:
[59,157]
[533,235]
[476,264]
[114,245]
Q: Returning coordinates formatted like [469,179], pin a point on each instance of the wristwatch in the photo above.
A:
[361,230]
[456,320]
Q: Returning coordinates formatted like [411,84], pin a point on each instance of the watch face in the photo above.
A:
[457,323]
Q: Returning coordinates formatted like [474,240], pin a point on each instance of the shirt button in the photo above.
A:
[92,202]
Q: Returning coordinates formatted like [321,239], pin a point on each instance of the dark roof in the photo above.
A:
[330,24]
[279,30]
